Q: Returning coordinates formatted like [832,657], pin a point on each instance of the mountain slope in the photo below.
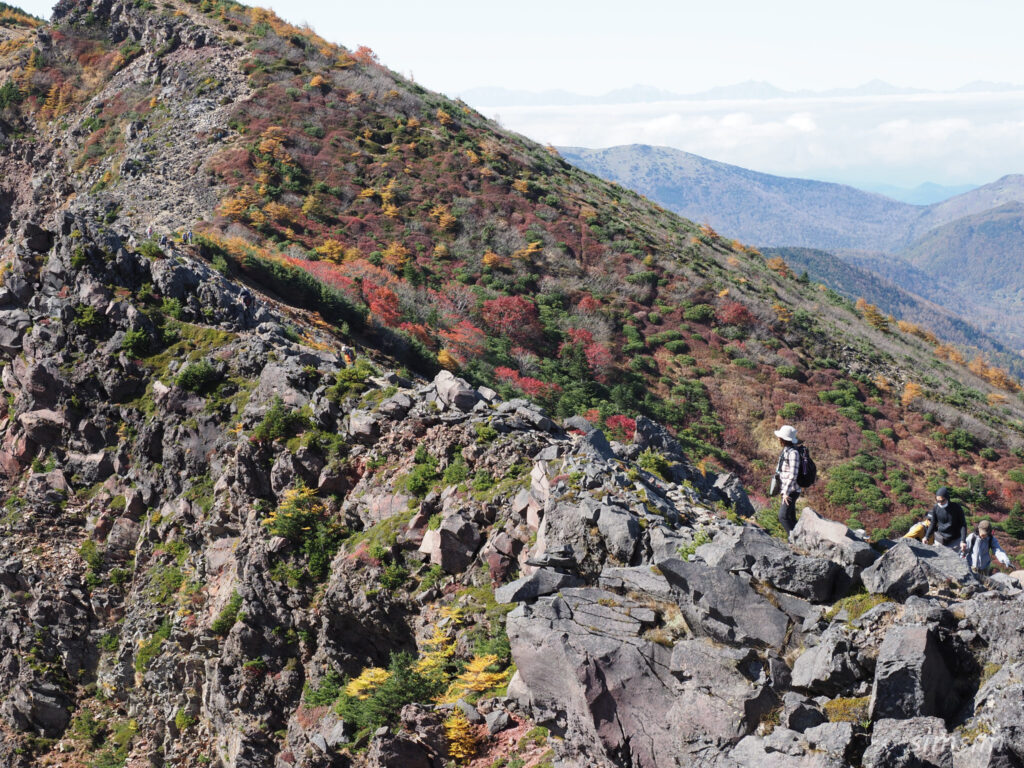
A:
[754,207]
[777,211]
[267,488]
[765,209]
[988,197]
[855,282]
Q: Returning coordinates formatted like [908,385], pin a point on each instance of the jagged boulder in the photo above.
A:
[543,581]
[834,739]
[455,392]
[650,434]
[39,706]
[800,713]
[818,535]
[768,560]
[583,665]
[830,667]
[911,568]
[720,713]
[43,426]
[418,742]
[453,544]
[730,488]
[911,677]
[36,238]
[919,742]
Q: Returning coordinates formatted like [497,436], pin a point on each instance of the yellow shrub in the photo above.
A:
[911,391]
[461,738]
[446,360]
[369,680]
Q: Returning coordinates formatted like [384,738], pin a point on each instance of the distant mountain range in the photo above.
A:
[923,194]
[965,253]
[749,90]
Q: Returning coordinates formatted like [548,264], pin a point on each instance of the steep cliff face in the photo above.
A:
[249,520]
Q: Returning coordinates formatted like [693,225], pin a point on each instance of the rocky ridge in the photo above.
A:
[141,580]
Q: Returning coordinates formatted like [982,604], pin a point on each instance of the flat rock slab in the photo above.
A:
[582,662]
[722,606]
[543,581]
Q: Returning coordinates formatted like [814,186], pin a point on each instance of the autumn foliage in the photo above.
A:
[513,317]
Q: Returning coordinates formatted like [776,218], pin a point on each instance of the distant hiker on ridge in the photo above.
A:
[947,522]
[785,476]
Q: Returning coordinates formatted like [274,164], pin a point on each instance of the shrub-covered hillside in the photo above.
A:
[424,228]
[302,365]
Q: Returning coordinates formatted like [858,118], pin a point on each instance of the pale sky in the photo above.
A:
[599,45]
[683,46]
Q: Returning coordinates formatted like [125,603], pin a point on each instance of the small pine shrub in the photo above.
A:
[456,471]
[394,576]
[302,519]
[228,615]
[352,380]
[200,377]
[369,707]
[326,691]
[768,518]
[790,411]
[655,463]
[150,649]
[424,474]
[699,313]
[485,433]
[279,423]
[183,721]
[87,318]
[788,371]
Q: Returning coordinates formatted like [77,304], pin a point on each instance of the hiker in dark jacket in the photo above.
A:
[786,471]
[947,522]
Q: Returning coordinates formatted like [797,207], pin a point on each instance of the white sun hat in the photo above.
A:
[787,433]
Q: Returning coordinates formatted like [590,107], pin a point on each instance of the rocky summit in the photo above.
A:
[290,479]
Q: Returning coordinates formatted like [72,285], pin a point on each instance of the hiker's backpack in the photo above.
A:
[807,470]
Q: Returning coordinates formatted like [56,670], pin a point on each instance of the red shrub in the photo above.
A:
[620,427]
[600,360]
[514,317]
[383,303]
[419,331]
[734,313]
[465,339]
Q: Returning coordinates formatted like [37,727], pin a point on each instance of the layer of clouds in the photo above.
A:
[952,138]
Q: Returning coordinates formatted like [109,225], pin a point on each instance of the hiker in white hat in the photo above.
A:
[785,476]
